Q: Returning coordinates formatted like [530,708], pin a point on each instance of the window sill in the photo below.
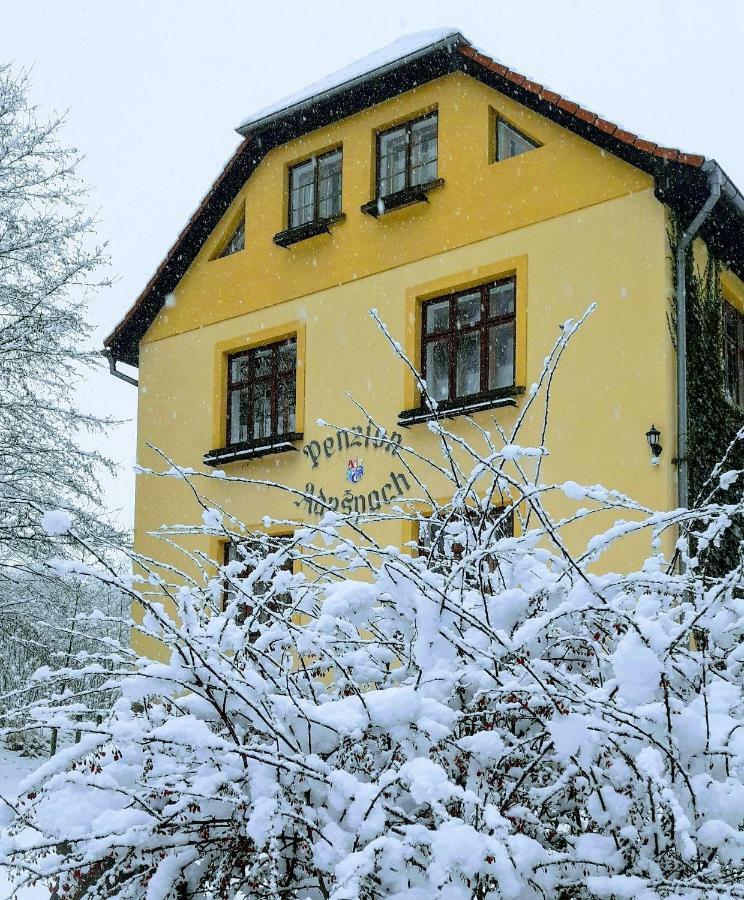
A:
[416,194]
[303,232]
[252,449]
[451,408]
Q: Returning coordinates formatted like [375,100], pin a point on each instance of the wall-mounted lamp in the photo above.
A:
[652,436]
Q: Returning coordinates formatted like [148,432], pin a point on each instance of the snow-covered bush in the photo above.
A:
[488,717]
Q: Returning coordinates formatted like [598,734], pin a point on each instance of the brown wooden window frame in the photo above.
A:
[409,193]
[316,160]
[453,334]
[274,378]
[733,349]
[407,127]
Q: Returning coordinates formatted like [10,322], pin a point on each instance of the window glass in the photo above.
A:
[286,407]
[287,356]
[262,361]
[393,153]
[261,409]
[424,150]
[237,241]
[468,309]
[315,189]
[407,155]
[238,417]
[468,364]
[302,194]
[468,341]
[437,369]
[437,316]
[240,368]
[501,299]
[501,356]
[733,353]
[510,142]
[261,392]
[329,185]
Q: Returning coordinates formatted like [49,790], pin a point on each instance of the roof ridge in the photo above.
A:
[675,172]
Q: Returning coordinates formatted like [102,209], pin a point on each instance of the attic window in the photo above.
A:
[236,242]
[510,142]
[407,155]
[315,190]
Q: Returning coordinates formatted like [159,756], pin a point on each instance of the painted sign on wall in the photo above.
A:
[319,501]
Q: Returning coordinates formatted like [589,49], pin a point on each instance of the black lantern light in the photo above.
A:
[652,436]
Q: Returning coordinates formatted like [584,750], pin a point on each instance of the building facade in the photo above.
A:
[474,211]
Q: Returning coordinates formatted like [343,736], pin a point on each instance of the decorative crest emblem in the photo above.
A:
[355,469]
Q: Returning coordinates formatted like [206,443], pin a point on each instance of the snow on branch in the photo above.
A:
[487,715]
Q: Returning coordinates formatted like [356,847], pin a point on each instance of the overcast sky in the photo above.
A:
[154,89]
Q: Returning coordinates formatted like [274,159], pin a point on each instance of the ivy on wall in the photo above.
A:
[712,420]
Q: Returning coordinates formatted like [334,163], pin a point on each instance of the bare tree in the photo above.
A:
[49,267]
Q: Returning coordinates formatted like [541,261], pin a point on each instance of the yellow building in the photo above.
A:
[475,211]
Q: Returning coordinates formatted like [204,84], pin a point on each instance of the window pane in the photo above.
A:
[288,356]
[262,405]
[238,416]
[237,241]
[392,162]
[424,150]
[509,143]
[431,534]
[732,375]
[232,552]
[437,316]
[286,406]
[437,369]
[468,364]
[240,368]
[501,356]
[468,309]
[261,410]
[302,194]
[501,299]
[733,353]
[329,185]
[262,361]
[730,321]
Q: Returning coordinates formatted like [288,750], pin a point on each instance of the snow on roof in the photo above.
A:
[405,46]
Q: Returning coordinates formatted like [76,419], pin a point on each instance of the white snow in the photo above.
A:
[569,733]
[56,521]
[637,669]
[404,46]
[212,518]
[13,770]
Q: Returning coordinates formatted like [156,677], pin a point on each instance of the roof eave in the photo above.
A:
[448,43]
[680,178]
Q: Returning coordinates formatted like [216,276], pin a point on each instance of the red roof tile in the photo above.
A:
[126,330]
[582,114]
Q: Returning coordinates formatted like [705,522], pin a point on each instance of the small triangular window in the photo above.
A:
[236,242]
[509,142]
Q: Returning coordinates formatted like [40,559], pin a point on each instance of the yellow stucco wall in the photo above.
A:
[575,224]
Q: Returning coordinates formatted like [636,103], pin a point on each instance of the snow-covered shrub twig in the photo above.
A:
[488,717]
